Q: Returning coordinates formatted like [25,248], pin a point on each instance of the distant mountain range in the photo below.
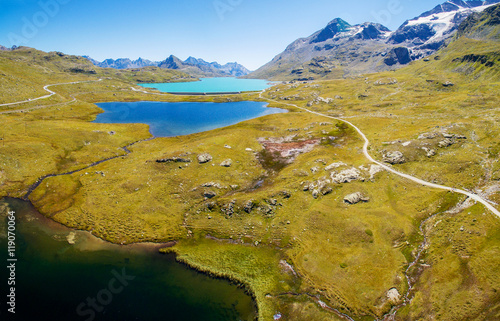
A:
[192,66]
[340,49]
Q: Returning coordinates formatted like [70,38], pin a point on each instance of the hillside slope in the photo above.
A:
[341,50]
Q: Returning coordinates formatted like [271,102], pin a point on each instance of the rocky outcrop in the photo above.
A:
[428,136]
[226,163]
[429,152]
[356,198]
[204,158]
[346,176]
[374,170]
[334,166]
[209,194]
[214,184]
[174,160]
[446,143]
[398,55]
[393,296]
[395,157]
[228,209]
[71,238]
[248,207]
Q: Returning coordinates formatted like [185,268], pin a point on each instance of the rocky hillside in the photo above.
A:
[430,31]
[193,66]
[341,50]
[484,26]
[26,70]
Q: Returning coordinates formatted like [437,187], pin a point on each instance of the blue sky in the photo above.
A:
[250,32]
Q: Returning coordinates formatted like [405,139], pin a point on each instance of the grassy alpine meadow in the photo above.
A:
[269,209]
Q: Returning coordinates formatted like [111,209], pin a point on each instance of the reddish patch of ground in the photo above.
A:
[291,149]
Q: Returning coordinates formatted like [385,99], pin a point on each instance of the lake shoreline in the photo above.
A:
[86,242]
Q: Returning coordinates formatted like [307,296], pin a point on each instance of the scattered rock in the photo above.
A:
[228,209]
[334,165]
[174,160]
[346,176]
[325,124]
[395,157]
[285,194]
[287,267]
[71,238]
[393,295]
[445,143]
[227,146]
[406,144]
[356,198]
[249,206]
[374,170]
[226,163]
[326,190]
[430,152]
[204,158]
[266,210]
[381,82]
[213,184]
[315,193]
[428,136]
[112,133]
[314,170]
[249,150]
[209,194]
[448,84]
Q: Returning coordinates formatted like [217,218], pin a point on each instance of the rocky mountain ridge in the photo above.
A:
[193,66]
[341,50]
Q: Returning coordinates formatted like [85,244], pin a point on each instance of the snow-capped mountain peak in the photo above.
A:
[428,32]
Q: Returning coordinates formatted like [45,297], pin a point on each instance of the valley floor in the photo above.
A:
[279,218]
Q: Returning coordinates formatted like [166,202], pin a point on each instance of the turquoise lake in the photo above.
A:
[95,280]
[177,119]
[212,85]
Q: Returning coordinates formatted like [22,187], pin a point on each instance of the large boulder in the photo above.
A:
[399,55]
[346,176]
[356,198]
[204,158]
[395,157]
[226,163]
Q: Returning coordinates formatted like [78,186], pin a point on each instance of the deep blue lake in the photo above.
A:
[59,281]
[184,118]
[212,85]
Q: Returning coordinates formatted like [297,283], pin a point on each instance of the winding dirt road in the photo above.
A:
[390,169]
[51,93]
[365,146]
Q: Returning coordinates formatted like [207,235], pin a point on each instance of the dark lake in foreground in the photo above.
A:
[56,280]
[184,118]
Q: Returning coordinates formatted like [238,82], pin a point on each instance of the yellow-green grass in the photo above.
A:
[459,283]
[256,268]
[332,246]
